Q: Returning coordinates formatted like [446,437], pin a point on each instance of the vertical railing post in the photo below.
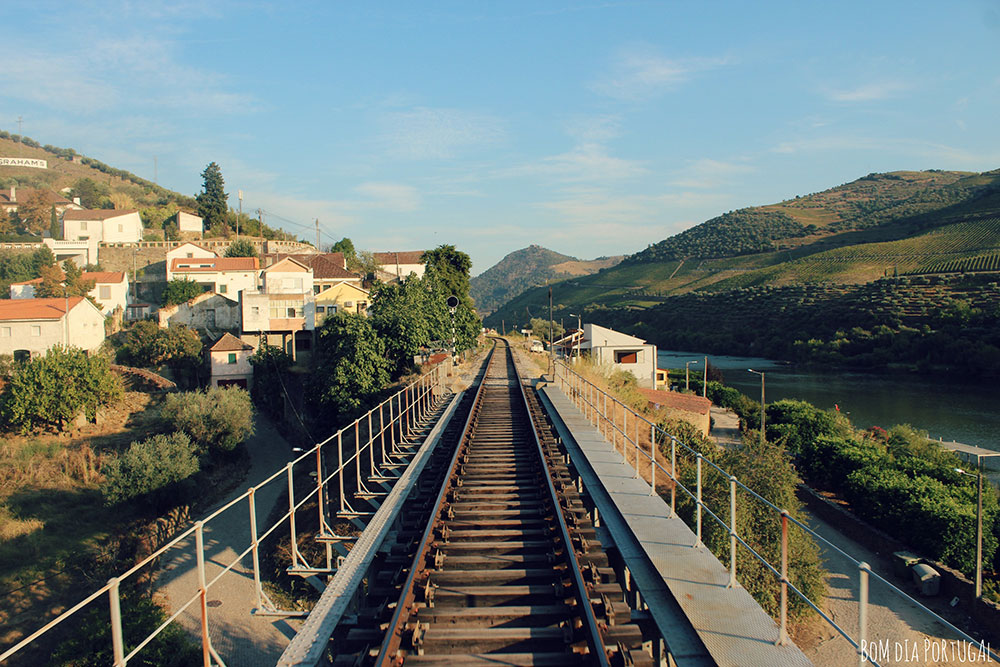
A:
[255,547]
[340,466]
[863,571]
[624,435]
[698,497]
[732,531]
[117,643]
[319,488]
[652,460]
[783,627]
[673,475]
[371,446]
[357,455]
[635,441]
[392,428]
[381,431]
[293,547]
[199,543]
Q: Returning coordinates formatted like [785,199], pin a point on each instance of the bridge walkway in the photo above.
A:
[730,624]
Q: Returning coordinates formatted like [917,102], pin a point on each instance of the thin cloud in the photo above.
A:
[869,92]
[427,134]
[708,173]
[641,73]
[588,162]
[387,196]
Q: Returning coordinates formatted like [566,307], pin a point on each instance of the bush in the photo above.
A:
[241,248]
[180,291]
[216,419]
[149,346]
[54,389]
[152,469]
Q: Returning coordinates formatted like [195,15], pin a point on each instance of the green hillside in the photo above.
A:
[526,268]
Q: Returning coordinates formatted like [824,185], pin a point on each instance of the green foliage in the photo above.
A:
[93,195]
[148,346]
[61,283]
[151,469]
[351,366]
[90,645]
[54,389]
[241,248]
[218,418]
[270,364]
[766,469]
[212,206]
[451,267]
[179,291]
[346,247]
[540,327]
[402,316]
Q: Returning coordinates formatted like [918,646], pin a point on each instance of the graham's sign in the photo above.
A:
[23,162]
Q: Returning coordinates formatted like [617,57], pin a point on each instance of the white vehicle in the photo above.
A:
[536,346]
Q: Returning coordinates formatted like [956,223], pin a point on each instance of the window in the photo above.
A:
[289,312]
[83,225]
[626,357]
[36,330]
[255,311]
[105,292]
[4,332]
[121,227]
[223,288]
[190,255]
[232,357]
[348,304]
[320,309]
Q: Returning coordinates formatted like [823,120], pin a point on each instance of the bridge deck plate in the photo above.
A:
[728,621]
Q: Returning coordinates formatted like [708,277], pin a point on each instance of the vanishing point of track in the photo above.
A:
[498,561]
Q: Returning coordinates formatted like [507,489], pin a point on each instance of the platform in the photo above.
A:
[729,623]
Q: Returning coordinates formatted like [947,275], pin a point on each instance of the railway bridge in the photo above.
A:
[516,522]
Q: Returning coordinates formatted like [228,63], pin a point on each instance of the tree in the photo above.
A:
[152,468]
[91,194]
[212,206]
[449,269]
[351,364]
[452,267]
[241,248]
[54,389]
[269,363]
[401,316]
[346,247]
[217,419]
[540,328]
[147,345]
[55,228]
[180,291]
[35,212]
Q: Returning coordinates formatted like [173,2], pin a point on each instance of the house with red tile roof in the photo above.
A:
[283,311]
[11,199]
[229,360]
[110,289]
[227,276]
[33,326]
[398,265]
[102,226]
[690,408]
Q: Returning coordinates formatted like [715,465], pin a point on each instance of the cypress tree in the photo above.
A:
[212,206]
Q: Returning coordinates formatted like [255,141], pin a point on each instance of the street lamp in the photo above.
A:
[979,524]
[687,374]
[761,374]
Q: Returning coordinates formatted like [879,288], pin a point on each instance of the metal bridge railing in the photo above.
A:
[380,436]
[625,429]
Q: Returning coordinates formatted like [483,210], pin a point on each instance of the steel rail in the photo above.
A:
[394,635]
[594,638]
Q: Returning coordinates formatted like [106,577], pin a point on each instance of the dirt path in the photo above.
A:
[901,632]
[238,637]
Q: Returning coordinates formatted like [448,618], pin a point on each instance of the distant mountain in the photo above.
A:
[526,268]
[901,223]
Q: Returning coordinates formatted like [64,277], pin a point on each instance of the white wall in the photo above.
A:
[85,330]
[223,370]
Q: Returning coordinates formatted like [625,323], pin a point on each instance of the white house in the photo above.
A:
[229,360]
[227,276]
[12,199]
[283,309]
[102,226]
[398,265]
[616,349]
[110,289]
[187,251]
[205,312]
[35,325]
[188,222]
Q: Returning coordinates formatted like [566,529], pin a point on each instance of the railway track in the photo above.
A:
[497,560]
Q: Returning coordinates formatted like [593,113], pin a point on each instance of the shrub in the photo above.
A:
[54,389]
[241,248]
[216,419]
[179,291]
[152,468]
[149,346]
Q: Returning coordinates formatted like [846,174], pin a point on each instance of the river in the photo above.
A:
[947,409]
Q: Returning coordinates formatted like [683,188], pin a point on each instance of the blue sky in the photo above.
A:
[591,128]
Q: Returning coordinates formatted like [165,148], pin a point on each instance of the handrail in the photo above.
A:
[406,408]
[582,392]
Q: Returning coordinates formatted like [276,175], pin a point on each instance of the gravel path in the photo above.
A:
[239,638]
[901,632]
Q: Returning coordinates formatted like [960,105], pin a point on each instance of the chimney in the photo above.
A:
[13,193]
[76,200]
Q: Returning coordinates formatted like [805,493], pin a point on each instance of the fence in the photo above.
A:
[627,430]
[379,438]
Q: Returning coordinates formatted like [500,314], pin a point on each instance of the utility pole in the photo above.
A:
[551,339]
[240,214]
[761,374]
[704,382]
[317,236]
[20,136]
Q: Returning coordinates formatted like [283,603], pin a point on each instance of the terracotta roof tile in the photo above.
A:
[212,264]
[404,257]
[36,309]
[678,401]
[97,214]
[230,343]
